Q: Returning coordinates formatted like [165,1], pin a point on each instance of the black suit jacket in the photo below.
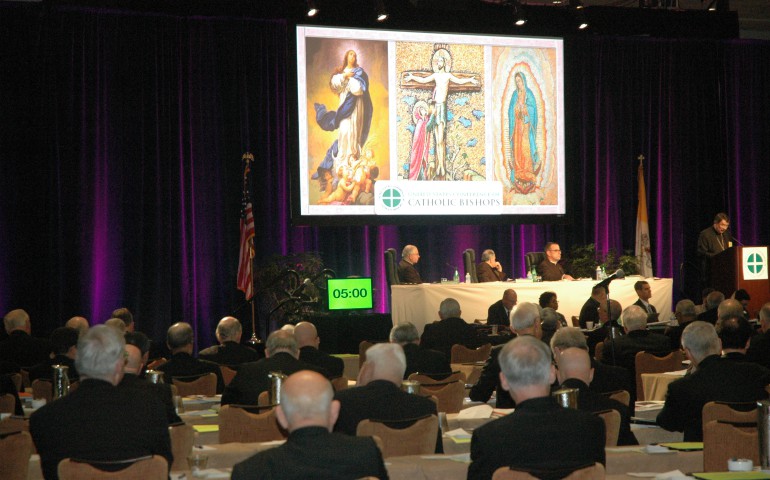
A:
[715,379]
[709,316]
[161,391]
[426,361]
[381,400]
[43,370]
[407,273]
[640,304]
[589,312]
[185,365]
[593,402]
[539,434]
[489,382]
[99,421]
[24,350]
[229,353]
[252,379]
[496,315]
[759,349]
[549,271]
[609,378]
[333,365]
[443,334]
[627,346]
[313,452]
[485,273]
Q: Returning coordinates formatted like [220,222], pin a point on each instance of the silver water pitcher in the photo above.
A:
[567,397]
[61,381]
[276,383]
[411,386]
[154,376]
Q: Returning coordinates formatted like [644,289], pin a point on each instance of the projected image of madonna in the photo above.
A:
[522,127]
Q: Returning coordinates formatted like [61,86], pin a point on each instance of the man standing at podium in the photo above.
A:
[716,238]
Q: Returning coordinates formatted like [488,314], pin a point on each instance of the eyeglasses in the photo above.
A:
[554,250]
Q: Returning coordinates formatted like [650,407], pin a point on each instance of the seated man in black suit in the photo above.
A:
[759,350]
[64,343]
[307,340]
[252,378]
[78,323]
[550,300]
[574,371]
[489,270]
[609,325]
[499,313]
[418,359]
[179,339]
[230,351]
[607,378]
[549,269]
[539,434]
[525,322]
[713,379]
[406,271]
[450,330]
[137,349]
[711,314]
[21,347]
[734,332]
[644,292]
[378,393]
[590,310]
[308,412]
[685,313]
[622,350]
[100,421]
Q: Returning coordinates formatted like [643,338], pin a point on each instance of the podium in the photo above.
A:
[742,267]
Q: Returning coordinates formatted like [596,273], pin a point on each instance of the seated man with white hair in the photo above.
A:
[378,393]
[714,379]
[450,330]
[308,412]
[539,434]
[230,351]
[100,421]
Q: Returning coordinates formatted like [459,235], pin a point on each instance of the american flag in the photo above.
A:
[245,283]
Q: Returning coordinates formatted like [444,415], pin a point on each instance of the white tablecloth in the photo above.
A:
[419,303]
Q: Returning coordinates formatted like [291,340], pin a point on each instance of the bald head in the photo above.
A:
[306,335]
[134,360]
[307,400]
[229,330]
[179,337]
[78,323]
[17,320]
[574,363]
[729,308]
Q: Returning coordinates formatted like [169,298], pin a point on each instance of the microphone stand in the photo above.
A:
[606,284]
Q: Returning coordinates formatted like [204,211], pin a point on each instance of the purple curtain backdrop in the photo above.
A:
[123,133]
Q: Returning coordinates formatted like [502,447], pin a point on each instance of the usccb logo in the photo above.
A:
[392,198]
[755,263]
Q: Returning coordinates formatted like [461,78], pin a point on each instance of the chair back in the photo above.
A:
[340,383]
[649,363]
[533,259]
[417,439]
[154,467]
[427,378]
[575,321]
[362,348]
[621,396]
[592,472]
[182,439]
[450,395]
[462,354]
[598,349]
[611,426]
[14,424]
[739,412]
[722,441]
[15,450]
[42,389]
[391,267]
[263,400]
[7,403]
[196,385]
[227,374]
[469,264]
[238,425]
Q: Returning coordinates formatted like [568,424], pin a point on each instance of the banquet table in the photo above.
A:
[655,385]
[419,304]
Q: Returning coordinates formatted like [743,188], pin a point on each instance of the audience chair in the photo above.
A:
[469,264]
[723,440]
[598,349]
[450,395]
[182,439]
[15,450]
[427,378]
[154,467]
[263,400]
[737,412]
[238,425]
[14,424]
[340,383]
[362,348]
[649,363]
[575,321]
[228,374]
[592,472]
[419,438]
[42,389]
[463,354]
[621,396]
[533,259]
[17,381]
[611,426]
[196,385]
[391,267]
[7,403]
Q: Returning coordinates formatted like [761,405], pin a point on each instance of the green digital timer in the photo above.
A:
[350,293]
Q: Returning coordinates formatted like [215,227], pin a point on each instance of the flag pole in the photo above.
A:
[248,157]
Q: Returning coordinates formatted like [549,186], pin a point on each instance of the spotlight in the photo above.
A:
[312,9]
[519,16]
[581,20]
[576,4]
[382,12]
